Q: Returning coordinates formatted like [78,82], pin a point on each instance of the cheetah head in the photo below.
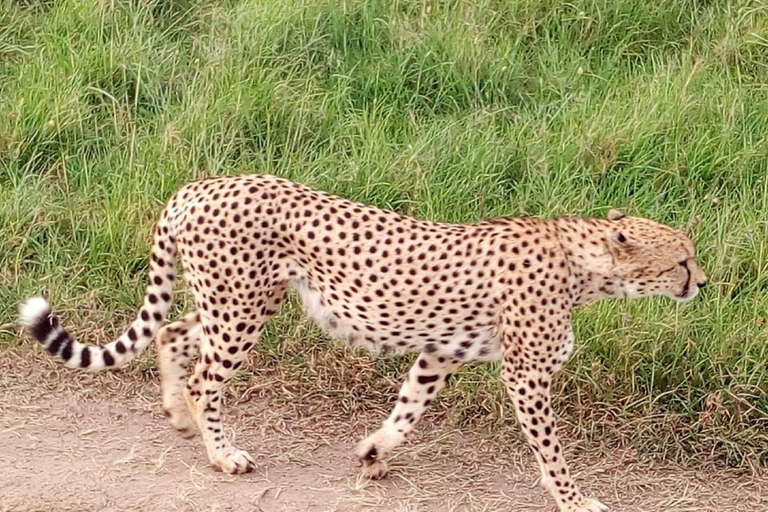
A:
[652,259]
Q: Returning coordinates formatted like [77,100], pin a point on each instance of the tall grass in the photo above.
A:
[448,110]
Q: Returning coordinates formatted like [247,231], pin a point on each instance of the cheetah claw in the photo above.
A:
[373,466]
[375,469]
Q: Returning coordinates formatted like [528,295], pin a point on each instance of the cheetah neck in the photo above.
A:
[590,263]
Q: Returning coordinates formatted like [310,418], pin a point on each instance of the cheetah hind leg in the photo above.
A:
[223,349]
[177,344]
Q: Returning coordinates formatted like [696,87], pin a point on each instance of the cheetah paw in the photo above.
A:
[182,422]
[587,505]
[239,461]
[375,469]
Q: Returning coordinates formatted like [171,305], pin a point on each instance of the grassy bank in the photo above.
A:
[447,110]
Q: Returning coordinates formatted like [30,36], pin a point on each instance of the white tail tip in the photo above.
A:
[31,311]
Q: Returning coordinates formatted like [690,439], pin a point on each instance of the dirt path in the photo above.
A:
[70,441]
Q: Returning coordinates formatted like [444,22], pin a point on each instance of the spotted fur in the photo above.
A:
[498,290]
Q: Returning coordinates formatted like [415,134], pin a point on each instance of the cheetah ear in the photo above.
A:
[618,243]
[614,214]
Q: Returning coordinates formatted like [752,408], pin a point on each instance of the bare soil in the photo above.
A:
[74,441]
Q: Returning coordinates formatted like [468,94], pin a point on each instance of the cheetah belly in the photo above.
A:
[480,343]
[334,325]
[486,346]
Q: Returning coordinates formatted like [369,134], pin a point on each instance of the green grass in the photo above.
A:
[447,110]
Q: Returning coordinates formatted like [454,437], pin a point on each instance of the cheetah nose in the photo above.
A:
[701,284]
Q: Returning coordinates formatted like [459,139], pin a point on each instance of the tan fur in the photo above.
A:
[495,290]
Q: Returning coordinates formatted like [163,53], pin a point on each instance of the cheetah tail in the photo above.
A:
[36,316]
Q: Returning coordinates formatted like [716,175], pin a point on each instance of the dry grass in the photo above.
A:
[301,430]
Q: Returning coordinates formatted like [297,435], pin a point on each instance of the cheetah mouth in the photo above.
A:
[686,293]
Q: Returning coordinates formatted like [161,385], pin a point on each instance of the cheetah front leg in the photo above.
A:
[425,379]
[529,391]
[528,386]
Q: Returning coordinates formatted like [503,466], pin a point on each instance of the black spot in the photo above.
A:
[371,455]
[427,379]
[120,347]
[85,357]
[66,352]
[43,327]
[55,345]
[108,359]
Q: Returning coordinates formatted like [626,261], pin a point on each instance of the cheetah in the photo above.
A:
[496,290]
